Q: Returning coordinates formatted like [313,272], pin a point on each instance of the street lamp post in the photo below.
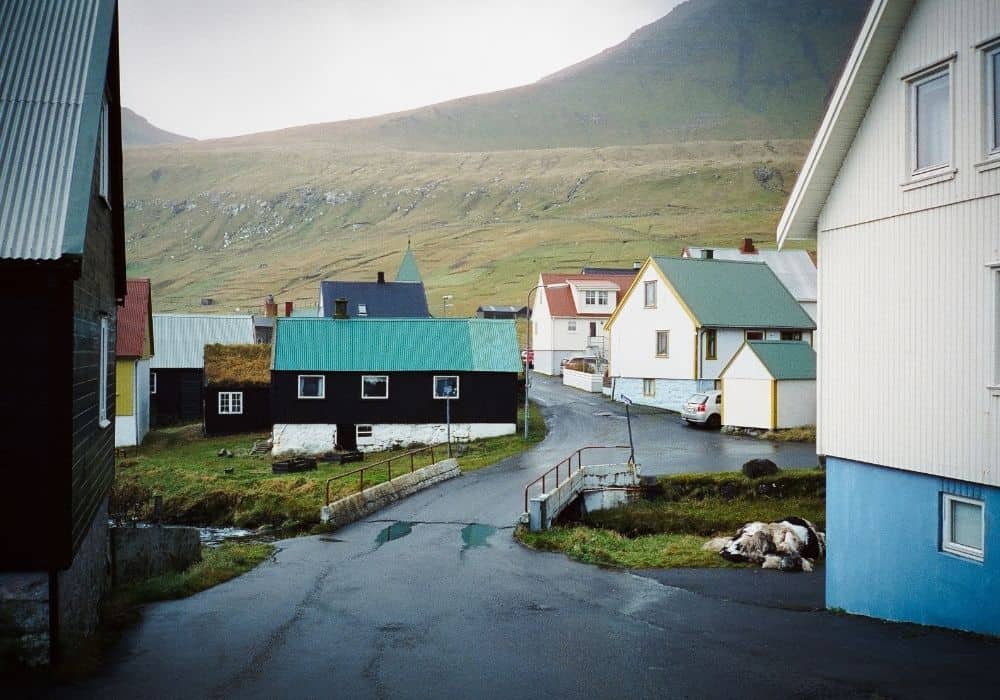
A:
[528,350]
[444,303]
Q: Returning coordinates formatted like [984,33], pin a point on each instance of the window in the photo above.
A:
[312,386]
[571,326]
[374,386]
[230,403]
[446,387]
[595,298]
[650,288]
[791,335]
[103,152]
[649,387]
[662,343]
[963,526]
[993,99]
[711,344]
[102,375]
[152,382]
[362,309]
[364,431]
[755,335]
[930,120]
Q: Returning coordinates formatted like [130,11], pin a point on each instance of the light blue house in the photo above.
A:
[901,191]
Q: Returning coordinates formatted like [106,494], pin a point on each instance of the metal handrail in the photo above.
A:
[389,461]
[569,468]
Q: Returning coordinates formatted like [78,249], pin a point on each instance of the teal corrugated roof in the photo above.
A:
[408,270]
[786,360]
[396,345]
[731,294]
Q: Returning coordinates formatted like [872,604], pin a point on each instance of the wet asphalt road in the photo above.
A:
[438,608]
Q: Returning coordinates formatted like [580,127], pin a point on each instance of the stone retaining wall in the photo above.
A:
[139,553]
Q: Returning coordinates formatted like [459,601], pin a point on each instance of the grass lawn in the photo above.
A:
[668,529]
[184,467]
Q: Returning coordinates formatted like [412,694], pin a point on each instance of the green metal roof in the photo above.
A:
[786,360]
[396,345]
[733,294]
[408,271]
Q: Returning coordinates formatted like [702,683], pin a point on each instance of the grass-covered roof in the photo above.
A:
[244,365]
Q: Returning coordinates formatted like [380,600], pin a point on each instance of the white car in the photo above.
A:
[703,408]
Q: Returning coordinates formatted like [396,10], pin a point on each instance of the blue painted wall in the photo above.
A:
[670,393]
[884,555]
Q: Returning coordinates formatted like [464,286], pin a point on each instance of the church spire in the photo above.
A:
[408,270]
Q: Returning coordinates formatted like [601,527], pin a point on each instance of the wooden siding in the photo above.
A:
[125,387]
[256,416]
[869,185]
[484,397]
[177,398]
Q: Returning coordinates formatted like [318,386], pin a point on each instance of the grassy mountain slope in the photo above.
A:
[709,70]
[137,131]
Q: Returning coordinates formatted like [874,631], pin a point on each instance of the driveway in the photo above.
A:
[433,598]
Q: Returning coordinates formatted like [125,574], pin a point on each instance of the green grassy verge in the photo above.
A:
[200,488]
[668,529]
[805,433]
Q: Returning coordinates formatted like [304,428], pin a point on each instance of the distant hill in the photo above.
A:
[709,70]
[137,131]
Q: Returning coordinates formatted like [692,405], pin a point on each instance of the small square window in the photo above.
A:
[930,120]
[375,386]
[663,343]
[152,382]
[230,403]
[571,326]
[650,290]
[963,526]
[791,335]
[590,297]
[602,298]
[312,386]
[446,387]
[755,335]
[649,387]
[364,431]
[362,309]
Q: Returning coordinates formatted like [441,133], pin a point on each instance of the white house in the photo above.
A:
[905,170]
[770,385]
[569,312]
[683,319]
[796,269]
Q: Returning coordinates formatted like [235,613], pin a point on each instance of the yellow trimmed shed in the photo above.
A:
[770,385]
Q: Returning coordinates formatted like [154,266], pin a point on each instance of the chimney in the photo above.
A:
[270,307]
[707,254]
[381,278]
[747,247]
[340,307]
[637,264]
[289,305]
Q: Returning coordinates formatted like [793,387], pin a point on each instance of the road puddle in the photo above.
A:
[476,535]
[395,531]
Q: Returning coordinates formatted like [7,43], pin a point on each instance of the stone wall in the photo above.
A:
[669,393]
[139,553]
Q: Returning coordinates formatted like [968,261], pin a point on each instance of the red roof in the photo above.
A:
[561,299]
[135,320]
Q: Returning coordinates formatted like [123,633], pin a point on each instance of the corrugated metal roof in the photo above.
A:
[396,345]
[181,338]
[795,268]
[501,309]
[732,294]
[53,62]
[408,270]
[786,360]
[134,320]
[381,300]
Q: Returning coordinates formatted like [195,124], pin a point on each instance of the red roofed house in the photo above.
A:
[569,312]
[133,347]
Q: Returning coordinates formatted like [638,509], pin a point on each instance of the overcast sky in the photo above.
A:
[211,68]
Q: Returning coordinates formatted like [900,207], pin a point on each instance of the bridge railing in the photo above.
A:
[386,462]
[561,472]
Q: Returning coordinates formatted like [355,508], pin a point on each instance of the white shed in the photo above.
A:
[770,385]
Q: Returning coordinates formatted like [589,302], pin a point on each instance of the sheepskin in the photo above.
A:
[791,544]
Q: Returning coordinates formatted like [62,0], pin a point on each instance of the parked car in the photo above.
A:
[703,408]
[582,363]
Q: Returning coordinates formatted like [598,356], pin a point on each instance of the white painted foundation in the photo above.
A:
[319,438]
[125,433]
[303,438]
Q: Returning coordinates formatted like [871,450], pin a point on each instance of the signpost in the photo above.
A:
[628,419]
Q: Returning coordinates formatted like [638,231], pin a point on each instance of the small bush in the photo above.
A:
[129,500]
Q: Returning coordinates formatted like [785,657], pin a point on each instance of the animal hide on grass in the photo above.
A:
[792,544]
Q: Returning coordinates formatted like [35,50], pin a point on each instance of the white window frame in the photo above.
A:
[649,383]
[947,544]
[992,126]
[913,82]
[363,430]
[657,341]
[362,309]
[602,298]
[152,383]
[104,153]
[322,385]
[590,297]
[458,386]
[646,287]
[102,373]
[571,326]
[232,398]
[375,376]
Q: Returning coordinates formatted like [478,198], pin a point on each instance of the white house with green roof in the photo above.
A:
[683,319]
[770,385]
[374,384]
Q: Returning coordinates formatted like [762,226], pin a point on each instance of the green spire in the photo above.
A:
[408,271]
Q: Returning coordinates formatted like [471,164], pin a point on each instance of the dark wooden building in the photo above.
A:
[384,383]
[237,389]
[62,275]
[176,372]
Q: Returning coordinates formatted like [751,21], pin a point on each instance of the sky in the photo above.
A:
[214,68]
